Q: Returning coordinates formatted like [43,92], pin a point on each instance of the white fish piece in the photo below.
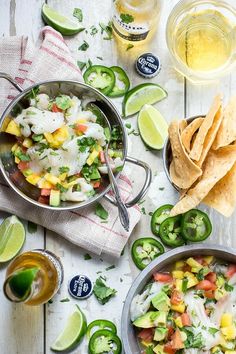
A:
[219,308]
[42,101]
[73,111]
[78,196]
[96,131]
[39,121]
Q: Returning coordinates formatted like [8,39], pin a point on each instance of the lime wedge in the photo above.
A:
[20,282]
[152,127]
[140,95]
[12,237]
[63,24]
[74,331]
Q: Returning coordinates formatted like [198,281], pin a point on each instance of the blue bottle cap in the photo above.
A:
[80,287]
[148,65]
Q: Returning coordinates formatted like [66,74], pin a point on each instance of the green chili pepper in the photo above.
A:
[101,324]
[159,216]
[122,83]
[100,77]
[170,231]
[144,250]
[104,341]
[196,226]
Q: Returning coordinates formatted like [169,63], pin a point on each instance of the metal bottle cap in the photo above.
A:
[80,287]
[148,65]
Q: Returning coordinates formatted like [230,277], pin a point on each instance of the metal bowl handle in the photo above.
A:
[11,80]
[145,187]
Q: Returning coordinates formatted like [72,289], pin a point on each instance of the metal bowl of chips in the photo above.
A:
[167,152]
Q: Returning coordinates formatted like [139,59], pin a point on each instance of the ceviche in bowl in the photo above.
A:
[184,304]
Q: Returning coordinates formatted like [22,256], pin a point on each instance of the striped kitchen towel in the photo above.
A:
[29,64]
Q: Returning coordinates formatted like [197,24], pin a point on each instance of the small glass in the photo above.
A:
[201,38]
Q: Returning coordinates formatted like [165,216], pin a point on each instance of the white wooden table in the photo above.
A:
[28,330]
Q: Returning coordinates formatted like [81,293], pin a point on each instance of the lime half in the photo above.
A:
[74,331]
[20,282]
[12,237]
[140,95]
[152,127]
[61,23]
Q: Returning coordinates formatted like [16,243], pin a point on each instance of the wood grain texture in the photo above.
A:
[23,329]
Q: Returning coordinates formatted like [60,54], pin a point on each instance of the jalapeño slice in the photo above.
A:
[159,216]
[104,341]
[100,77]
[144,250]
[101,324]
[196,225]
[122,84]
[170,231]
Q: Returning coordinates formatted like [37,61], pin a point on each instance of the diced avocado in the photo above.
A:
[161,301]
[147,320]
[27,172]
[54,199]
[160,319]
[220,280]
[95,174]
[159,349]
[160,333]
[13,128]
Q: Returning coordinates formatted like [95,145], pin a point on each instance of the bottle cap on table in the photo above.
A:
[80,287]
[148,65]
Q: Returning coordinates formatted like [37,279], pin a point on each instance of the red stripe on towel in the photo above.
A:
[60,58]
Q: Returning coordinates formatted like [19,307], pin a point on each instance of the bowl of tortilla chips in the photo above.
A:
[200,159]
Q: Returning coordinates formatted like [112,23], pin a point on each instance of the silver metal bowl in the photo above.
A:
[129,337]
[167,153]
[9,168]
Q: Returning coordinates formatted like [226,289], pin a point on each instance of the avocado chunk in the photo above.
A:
[147,320]
[161,302]
[54,199]
[160,319]
[159,349]
[160,333]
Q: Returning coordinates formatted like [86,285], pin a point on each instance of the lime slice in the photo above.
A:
[152,127]
[12,237]
[140,95]
[63,24]
[74,331]
[20,282]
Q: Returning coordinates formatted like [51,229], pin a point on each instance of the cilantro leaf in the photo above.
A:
[31,227]
[78,14]
[81,64]
[107,29]
[93,30]
[213,330]
[102,292]
[84,46]
[101,212]
[64,169]
[129,46]
[87,257]
[228,287]
[126,18]
[65,300]
[110,267]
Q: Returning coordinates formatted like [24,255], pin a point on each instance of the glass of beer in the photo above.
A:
[201,37]
[33,277]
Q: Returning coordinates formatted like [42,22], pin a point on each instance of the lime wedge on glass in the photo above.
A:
[20,282]
[152,127]
[140,95]
[74,331]
[61,23]
[12,237]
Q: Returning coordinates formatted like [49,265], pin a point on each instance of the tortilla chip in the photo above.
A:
[211,136]
[198,145]
[217,164]
[183,171]
[222,197]
[189,132]
[227,131]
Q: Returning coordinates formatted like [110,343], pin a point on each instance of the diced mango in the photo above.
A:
[192,280]
[13,128]
[219,293]
[178,308]
[193,263]
[98,148]
[159,349]
[215,349]
[33,179]
[81,121]
[17,160]
[179,264]
[178,322]
[92,157]
[178,274]
[49,137]
[45,184]
[229,332]
[63,176]
[208,259]
[179,284]
[14,147]
[52,179]
[226,320]
[27,142]
[60,135]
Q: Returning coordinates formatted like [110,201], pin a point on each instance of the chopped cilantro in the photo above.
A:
[102,292]
[128,125]
[107,29]
[61,188]
[49,169]
[143,210]
[126,18]
[110,267]
[32,227]
[228,287]
[87,257]
[65,300]
[213,330]
[129,46]
[185,285]
[30,113]
[84,46]
[78,14]
[53,153]
[161,188]
[133,132]
[93,30]
[64,169]
[81,64]
[100,58]
[101,212]
[150,213]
